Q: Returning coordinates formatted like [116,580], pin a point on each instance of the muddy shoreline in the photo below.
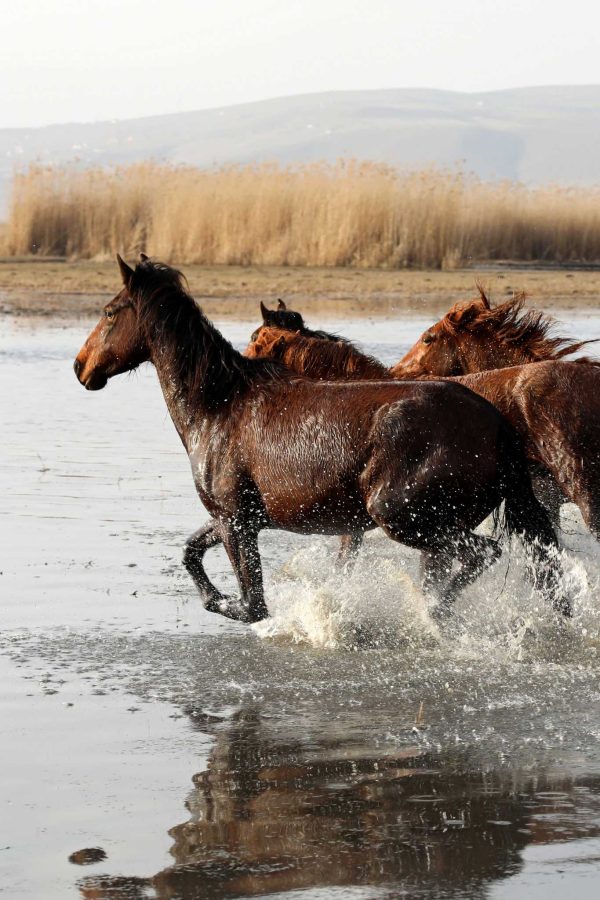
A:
[69,291]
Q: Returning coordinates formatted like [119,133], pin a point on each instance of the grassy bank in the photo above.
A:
[350,214]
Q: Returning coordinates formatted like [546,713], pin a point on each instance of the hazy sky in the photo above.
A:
[84,60]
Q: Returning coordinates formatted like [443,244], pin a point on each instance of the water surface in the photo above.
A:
[344,748]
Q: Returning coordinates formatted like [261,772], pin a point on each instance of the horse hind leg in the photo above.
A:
[549,494]
[436,570]
[526,517]
[475,553]
[586,494]
[349,546]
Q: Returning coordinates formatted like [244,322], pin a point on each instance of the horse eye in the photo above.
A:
[427,338]
[109,313]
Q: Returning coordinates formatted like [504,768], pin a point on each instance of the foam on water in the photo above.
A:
[379,605]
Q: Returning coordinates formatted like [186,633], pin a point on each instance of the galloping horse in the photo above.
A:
[558,402]
[476,336]
[427,462]
[554,404]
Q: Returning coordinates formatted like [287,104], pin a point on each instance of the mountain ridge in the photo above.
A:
[535,135]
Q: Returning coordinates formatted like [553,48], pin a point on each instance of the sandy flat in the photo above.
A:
[70,290]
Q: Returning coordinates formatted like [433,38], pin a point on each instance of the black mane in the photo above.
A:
[290,320]
[203,362]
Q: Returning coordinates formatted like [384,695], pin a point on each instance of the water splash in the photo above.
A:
[379,605]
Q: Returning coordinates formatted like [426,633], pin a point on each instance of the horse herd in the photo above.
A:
[303,432]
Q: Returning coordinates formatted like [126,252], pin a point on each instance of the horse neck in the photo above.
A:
[328,359]
[482,351]
[176,397]
[198,369]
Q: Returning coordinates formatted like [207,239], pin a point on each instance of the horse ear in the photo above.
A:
[463,314]
[281,305]
[264,311]
[126,271]
[143,257]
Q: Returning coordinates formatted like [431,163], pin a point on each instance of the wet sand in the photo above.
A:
[344,748]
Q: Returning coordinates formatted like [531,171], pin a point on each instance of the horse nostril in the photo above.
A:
[77,367]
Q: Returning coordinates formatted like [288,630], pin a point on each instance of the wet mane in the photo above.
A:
[199,358]
[325,358]
[527,331]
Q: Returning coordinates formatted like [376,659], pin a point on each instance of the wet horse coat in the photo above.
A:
[553,403]
[425,462]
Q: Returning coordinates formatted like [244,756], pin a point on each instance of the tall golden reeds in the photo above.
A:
[347,214]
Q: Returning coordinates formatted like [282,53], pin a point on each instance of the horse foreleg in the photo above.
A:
[242,549]
[196,546]
[349,547]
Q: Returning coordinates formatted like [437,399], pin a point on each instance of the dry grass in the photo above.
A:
[350,214]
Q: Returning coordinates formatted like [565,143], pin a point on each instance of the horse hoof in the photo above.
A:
[258,614]
[230,607]
[563,606]
[441,612]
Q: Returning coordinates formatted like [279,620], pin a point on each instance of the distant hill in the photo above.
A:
[535,135]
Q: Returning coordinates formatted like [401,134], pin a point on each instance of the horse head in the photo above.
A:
[116,344]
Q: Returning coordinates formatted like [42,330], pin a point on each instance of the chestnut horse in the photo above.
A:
[476,336]
[558,402]
[554,404]
[427,462]
[329,359]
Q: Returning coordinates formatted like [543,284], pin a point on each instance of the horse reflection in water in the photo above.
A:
[273,814]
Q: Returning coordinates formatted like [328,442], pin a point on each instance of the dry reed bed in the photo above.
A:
[348,214]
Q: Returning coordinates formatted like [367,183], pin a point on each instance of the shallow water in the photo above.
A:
[343,748]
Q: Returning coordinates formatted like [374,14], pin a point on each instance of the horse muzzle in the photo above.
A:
[93,382]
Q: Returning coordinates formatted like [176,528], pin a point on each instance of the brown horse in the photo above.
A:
[329,359]
[476,336]
[427,462]
[282,317]
[554,405]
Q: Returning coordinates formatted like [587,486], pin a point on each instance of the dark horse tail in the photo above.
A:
[525,517]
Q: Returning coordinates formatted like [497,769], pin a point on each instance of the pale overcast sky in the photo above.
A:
[85,60]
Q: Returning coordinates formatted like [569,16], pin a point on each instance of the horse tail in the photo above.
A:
[525,517]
